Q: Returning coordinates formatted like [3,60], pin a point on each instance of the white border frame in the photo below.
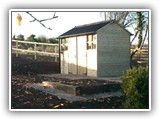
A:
[78,10]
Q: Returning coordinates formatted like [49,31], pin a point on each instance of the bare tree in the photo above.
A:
[120,17]
[141,32]
[42,20]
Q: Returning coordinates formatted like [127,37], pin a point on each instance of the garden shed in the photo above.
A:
[98,49]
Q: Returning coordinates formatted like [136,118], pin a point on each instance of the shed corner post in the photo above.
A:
[59,54]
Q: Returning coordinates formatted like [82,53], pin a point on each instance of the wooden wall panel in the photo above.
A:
[81,55]
[113,50]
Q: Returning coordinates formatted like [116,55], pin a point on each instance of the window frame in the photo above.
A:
[91,41]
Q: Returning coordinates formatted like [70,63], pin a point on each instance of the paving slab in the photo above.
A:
[70,97]
[79,77]
[84,89]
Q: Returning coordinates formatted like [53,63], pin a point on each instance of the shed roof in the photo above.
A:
[85,29]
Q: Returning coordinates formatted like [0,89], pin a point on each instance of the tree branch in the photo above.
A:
[49,18]
[40,21]
[134,37]
[145,36]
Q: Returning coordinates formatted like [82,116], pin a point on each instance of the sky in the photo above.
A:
[64,22]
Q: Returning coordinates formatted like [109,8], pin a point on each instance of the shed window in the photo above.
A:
[64,44]
[91,42]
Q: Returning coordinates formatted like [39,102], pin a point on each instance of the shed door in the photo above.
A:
[72,56]
[82,50]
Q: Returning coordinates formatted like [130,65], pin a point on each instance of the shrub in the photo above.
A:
[53,40]
[135,86]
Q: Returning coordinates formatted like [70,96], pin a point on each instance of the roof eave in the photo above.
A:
[79,34]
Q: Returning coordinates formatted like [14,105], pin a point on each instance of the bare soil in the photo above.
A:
[25,70]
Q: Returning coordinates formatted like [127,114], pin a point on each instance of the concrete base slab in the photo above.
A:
[70,97]
[79,77]
[84,89]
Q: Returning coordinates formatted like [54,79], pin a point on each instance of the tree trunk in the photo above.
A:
[139,33]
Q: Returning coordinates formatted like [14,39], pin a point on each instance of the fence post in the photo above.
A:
[55,50]
[16,48]
[35,54]
[34,50]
